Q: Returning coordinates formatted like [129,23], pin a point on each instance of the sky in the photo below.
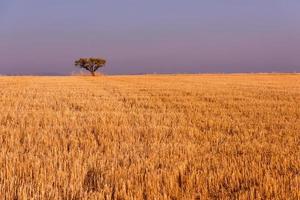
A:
[157,36]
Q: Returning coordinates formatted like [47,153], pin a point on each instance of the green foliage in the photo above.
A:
[90,64]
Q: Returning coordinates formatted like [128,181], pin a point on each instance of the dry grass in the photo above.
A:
[84,73]
[150,137]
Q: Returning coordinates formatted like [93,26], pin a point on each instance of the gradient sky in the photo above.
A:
[153,36]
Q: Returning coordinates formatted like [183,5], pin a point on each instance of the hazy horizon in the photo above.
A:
[138,37]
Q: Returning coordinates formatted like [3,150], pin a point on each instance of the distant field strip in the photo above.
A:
[150,137]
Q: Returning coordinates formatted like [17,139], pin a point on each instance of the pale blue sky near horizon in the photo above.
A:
[157,36]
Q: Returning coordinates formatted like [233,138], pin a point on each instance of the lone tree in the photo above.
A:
[90,64]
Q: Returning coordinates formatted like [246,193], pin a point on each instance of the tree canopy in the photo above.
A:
[90,64]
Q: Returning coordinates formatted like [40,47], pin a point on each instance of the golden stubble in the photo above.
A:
[150,137]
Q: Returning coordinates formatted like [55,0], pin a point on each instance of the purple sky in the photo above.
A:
[162,36]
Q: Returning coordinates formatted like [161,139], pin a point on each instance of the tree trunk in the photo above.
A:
[93,73]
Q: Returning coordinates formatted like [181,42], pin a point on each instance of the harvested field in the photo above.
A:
[150,137]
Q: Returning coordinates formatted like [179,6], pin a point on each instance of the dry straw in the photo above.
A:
[150,137]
